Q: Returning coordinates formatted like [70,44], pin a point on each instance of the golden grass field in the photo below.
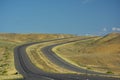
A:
[8,41]
[41,61]
[99,54]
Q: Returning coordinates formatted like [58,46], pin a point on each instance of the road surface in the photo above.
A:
[31,72]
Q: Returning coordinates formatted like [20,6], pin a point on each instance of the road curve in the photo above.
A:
[31,72]
[59,61]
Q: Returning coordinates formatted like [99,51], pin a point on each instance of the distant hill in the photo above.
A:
[109,38]
[108,44]
[14,37]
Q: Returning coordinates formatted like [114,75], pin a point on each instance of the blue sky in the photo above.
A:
[60,16]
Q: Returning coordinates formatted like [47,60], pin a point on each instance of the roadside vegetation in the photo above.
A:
[41,61]
[99,54]
[8,41]
[7,60]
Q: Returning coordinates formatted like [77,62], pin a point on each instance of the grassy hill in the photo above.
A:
[14,37]
[10,40]
[101,54]
[112,37]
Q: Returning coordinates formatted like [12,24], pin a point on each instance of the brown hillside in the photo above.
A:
[108,38]
[8,41]
[13,37]
[108,44]
[102,54]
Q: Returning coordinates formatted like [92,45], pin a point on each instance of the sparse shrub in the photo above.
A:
[109,72]
[4,72]
[88,68]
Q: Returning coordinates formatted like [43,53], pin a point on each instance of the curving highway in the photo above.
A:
[31,72]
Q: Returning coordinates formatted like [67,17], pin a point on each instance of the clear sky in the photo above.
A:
[60,16]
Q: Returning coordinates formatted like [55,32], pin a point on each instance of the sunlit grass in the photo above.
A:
[11,77]
[7,68]
[7,44]
[41,61]
[85,54]
[92,54]
[7,58]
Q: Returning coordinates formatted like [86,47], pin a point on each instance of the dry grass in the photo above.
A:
[6,57]
[97,54]
[101,55]
[14,37]
[11,77]
[41,61]
[7,67]
[7,43]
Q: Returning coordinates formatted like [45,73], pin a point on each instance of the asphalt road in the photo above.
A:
[31,72]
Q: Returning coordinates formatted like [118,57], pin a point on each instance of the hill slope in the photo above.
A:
[101,55]
[9,40]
